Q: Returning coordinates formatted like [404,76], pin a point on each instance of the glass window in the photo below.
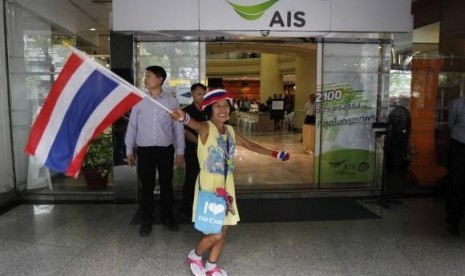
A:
[36,54]
[351,91]
[179,59]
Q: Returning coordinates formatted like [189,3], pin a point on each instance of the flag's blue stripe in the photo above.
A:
[92,92]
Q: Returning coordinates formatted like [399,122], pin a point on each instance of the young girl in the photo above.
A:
[216,148]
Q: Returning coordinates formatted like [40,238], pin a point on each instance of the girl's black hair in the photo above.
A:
[209,110]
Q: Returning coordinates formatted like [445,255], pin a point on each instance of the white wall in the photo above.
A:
[64,14]
[296,16]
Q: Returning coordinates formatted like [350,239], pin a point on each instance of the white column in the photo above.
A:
[305,83]
[271,81]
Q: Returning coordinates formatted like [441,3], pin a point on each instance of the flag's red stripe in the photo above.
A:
[43,118]
[213,99]
[123,106]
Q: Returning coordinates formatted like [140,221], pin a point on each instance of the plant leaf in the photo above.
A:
[252,12]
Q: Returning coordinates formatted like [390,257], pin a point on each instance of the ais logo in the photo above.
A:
[256,11]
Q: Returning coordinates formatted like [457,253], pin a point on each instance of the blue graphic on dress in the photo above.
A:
[217,155]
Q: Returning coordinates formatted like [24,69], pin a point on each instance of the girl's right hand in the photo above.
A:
[177,114]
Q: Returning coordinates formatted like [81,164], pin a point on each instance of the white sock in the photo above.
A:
[194,256]
[209,265]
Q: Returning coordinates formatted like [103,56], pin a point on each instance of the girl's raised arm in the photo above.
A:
[200,127]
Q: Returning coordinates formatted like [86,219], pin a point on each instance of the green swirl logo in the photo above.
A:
[252,12]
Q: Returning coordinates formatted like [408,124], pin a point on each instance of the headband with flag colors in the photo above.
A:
[85,99]
[214,96]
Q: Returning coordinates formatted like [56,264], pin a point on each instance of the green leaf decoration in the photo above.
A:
[252,12]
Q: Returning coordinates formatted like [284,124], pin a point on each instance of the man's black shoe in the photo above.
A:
[145,230]
[186,217]
[453,229]
[171,224]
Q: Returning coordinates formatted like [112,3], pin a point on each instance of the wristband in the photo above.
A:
[186,119]
[281,155]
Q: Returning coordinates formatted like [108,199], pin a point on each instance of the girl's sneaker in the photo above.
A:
[216,271]
[196,267]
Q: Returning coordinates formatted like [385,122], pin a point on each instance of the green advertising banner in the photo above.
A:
[344,135]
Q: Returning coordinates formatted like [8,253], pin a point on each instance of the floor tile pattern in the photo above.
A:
[97,239]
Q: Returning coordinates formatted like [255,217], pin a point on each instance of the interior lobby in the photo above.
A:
[249,65]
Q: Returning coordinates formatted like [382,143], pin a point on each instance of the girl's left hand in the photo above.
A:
[281,155]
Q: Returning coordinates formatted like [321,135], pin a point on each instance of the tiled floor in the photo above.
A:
[83,239]
[253,168]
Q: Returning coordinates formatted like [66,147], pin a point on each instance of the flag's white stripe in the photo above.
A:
[61,107]
[100,112]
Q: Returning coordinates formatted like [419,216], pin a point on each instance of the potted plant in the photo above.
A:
[98,161]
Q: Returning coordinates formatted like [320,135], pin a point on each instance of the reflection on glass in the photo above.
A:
[179,59]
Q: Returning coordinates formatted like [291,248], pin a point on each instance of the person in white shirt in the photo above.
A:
[310,110]
[158,143]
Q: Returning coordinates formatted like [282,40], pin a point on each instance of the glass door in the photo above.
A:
[352,94]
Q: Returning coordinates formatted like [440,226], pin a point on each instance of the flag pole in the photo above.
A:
[114,76]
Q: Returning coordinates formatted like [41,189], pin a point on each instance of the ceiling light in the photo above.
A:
[93,29]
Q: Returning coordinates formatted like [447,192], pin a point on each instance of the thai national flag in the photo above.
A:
[85,99]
